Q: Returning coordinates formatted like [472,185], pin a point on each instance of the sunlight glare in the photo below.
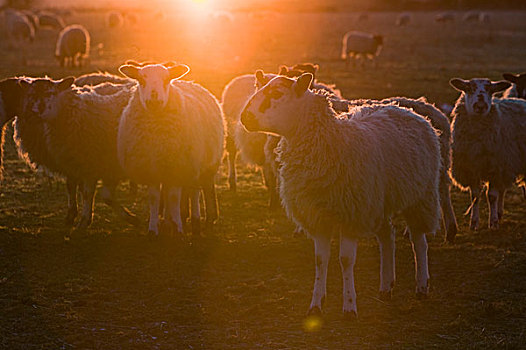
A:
[312,323]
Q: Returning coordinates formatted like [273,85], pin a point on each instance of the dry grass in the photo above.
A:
[247,285]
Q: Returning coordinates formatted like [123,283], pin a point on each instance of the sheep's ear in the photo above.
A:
[282,70]
[169,64]
[511,77]
[499,86]
[302,84]
[65,83]
[459,84]
[178,71]
[130,71]
[260,77]
[133,63]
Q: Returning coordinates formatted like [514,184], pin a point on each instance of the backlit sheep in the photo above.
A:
[359,44]
[19,29]
[518,89]
[115,19]
[171,133]
[73,45]
[101,77]
[347,175]
[445,17]
[489,144]
[48,20]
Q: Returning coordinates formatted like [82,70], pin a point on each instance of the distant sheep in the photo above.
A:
[114,19]
[489,144]
[518,89]
[359,44]
[347,175]
[33,19]
[471,16]
[73,45]
[445,17]
[48,20]
[80,134]
[171,133]
[484,18]
[19,28]
[403,19]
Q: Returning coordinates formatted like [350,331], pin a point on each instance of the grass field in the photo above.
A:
[247,284]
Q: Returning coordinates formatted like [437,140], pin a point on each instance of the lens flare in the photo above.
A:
[312,323]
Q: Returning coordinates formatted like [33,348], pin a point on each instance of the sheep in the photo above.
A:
[350,174]
[471,16]
[484,18]
[445,17]
[518,89]
[19,28]
[403,19]
[171,133]
[114,19]
[33,19]
[298,69]
[48,20]
[360,44]
[488,144]
[73,43]
[79,136]
[100,77]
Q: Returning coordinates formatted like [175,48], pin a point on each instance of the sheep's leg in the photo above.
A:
[108,195]
[154,198]
[232,155]
[322,253]
[270,182]
[419,243]
[500,204]
[88,197]
[348,247]
[475,198]
[450,221]
[196,212]
[492,195]
[210,196]
[386,242]
[71,186]
[173,204]
[185,207]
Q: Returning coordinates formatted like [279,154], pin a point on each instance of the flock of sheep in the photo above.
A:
[339,167]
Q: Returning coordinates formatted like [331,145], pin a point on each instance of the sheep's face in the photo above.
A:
[478,93]
[40,95]
[154,82]
[273,108]
[520,83]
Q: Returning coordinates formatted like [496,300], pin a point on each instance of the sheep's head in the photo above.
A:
[520,83]
[478,93]
[40,95]
[273,107]
[154,82]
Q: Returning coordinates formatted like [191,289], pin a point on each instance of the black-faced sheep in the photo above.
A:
[171,133]
[347,175]
[73,45]
[489,144]
[359,44]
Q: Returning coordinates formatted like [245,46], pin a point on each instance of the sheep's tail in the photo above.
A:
[344,47]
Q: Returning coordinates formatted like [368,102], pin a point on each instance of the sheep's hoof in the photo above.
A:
[385,295]
[314,311]
[350,315]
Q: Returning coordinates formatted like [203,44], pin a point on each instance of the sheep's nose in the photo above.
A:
[155,95]
[480,107]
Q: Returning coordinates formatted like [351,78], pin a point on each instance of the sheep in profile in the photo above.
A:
[360,44]
[48,20]
[114,19]
[518,89]
[445,17]
[347,175]
[403,19]
[171,133]
[73,45]
[80,135]
[489,144]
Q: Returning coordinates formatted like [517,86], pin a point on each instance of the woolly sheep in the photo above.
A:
[298,69]
[489,144]
[360,44]
[19,28]
[518,89]
[48,20]
[171,133]
[100,77]
[73,44]
[348,175]
[403,19]
[114,19]
[80,134]
[33,19]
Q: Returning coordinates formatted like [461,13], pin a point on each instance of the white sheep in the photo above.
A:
[349,174]
[360,44]
[518,88]
[73,45]
[489,144]
[171,133]
[80,135]
[48,20]
[403,19]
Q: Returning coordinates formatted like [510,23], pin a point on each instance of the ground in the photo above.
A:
[247,283]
